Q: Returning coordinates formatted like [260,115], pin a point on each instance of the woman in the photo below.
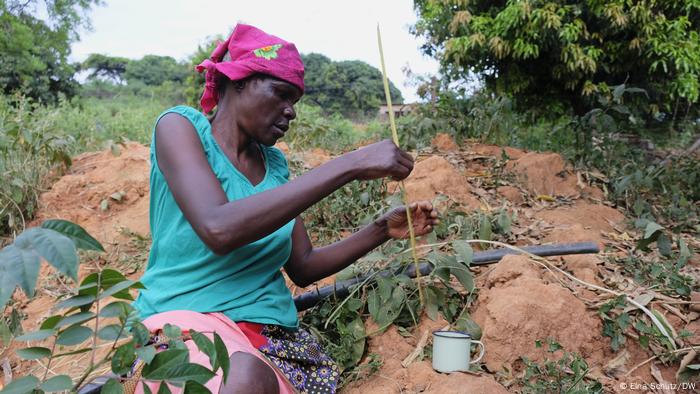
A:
[225,219]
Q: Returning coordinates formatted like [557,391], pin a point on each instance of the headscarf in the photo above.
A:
[252,51]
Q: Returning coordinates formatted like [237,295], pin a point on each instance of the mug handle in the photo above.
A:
[481,354]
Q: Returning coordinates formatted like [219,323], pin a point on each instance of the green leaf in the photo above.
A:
[140,333]
[110,277]
[33,353]
[77,234]
[664,244]
[485,232]
[181,372]
[123,358]
[111,332]
[464,276]
[75,301]
[51,322]
[504,222]
[146,389]
[119,309]
[357,328]
[23,385]
[431,303]
[79,351]
[163,361]
[206,346]
[57,383]
[112,386]
[5,333]
[617,93]
[89,285]
[222,355]
[466,324]
[75,318]
[465,253]
[389,311]
[651,229]
[373,303]
[18,267]
[172,331]
[112,291]
[146,353]
[38,335]
[164,389]
[683,252]
[192,387]
[57,249]
[74,335]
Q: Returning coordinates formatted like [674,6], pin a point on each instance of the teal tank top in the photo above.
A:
[184,274]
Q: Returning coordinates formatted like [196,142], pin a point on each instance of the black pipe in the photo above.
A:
[342,288]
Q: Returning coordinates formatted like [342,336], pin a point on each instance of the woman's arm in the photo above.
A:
[224,226]
[307,264]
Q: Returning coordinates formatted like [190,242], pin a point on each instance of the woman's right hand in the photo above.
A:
[379,160]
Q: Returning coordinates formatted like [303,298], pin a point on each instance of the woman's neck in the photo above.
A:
[227,133]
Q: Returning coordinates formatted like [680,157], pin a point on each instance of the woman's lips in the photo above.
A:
[279,131]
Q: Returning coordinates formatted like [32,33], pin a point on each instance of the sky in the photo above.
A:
[341,30]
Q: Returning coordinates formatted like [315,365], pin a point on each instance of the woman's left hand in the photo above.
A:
[423,218]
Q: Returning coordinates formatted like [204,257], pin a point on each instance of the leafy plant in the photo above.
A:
[30,147]
[543,53]
[90,315]
[567,374]
[394,300]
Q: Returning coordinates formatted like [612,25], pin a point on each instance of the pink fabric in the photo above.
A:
[252,51]
[234,339]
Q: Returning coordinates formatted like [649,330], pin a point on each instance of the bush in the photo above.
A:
[30,146]
[311,129]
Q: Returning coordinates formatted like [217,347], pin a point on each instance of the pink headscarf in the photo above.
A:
[252,51]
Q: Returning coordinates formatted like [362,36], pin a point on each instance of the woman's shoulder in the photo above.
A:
[186,112]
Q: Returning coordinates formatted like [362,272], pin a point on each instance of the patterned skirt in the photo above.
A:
[297,354]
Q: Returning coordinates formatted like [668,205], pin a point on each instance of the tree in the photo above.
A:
[542,52]
[153,70]
[108,67]
[349,87]
[34,52]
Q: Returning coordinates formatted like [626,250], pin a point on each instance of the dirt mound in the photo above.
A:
[496,151]
[434,176]
[517,307]
[511,194]
[444,143]
[544,173]
[581,221]
[419,376]
[103,192]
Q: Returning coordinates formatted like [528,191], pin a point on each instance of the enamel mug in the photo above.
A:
[452,351]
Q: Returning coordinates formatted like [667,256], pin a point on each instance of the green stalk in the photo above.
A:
[395,136]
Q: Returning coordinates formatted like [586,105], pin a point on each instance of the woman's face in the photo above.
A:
[264,107]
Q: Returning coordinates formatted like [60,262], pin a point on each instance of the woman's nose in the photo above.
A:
[290,113]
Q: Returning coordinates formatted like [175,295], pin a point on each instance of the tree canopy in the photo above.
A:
[34,52]
[348,87]
[111,68]
[546,51]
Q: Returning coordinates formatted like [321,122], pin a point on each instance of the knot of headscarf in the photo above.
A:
[210,96]
[252,51]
